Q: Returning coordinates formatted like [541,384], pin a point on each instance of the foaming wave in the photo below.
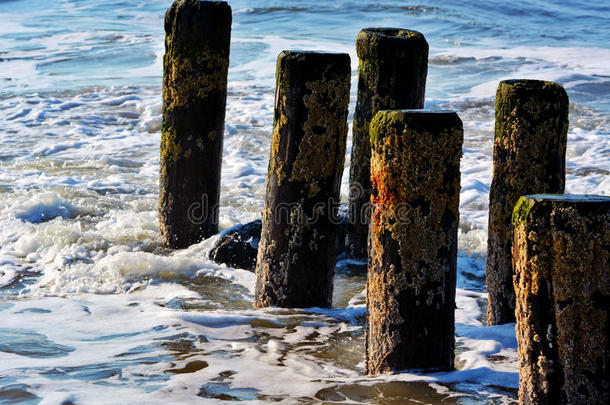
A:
[270,10]
[41,207]
[572,67]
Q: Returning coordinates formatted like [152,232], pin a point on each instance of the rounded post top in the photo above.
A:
[371,42]
[529,83]
[568,198]
[294,68]
[531,86]
[190,18]
[392,32]
[200,4]
[529,205]
[419,111]
[429,120]
[218,8]
[424,116]
[313,56]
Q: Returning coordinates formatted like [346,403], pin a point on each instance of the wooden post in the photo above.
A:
[529,157]
[561,254]
[195,65]
[391,75]
[296,255]
[415,173]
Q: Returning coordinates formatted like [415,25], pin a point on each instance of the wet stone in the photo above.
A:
[238,247]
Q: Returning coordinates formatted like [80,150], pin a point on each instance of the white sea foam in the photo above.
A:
[94,233]
[7,272]
[558,64]
[40,207]
[102,237]
[78,215]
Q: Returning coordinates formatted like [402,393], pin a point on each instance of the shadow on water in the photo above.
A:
[406,393]
[215,291]
[381,393]
[394,393]
[350,281]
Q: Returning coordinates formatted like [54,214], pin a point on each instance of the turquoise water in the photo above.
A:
[93,309]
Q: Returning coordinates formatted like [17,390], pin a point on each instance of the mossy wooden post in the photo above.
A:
[561,253]
[391,75]
[195,65]
[529,157]
[296,254]
[415,174]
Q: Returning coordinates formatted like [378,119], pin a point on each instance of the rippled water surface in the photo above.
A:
[94,310]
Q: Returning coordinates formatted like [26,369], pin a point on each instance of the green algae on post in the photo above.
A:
[529,157]
[195,66]
[392,69]
[415,174]
[296,255]
[561,253]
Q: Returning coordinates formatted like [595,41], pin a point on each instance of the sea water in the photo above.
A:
[93,309]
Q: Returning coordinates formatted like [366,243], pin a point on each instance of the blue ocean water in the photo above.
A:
[73,44]
[93,309]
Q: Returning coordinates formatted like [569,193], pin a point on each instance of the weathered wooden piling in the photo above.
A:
[415,174]
[529,157]
[195,65]
[296,253]
[561,253]
[392,69]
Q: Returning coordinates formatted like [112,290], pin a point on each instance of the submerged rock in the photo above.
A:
[238,247]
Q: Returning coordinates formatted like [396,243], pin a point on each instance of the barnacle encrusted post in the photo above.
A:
[296,254]
[561,253]
[415,174]
[392,69]
[529,158]
[195,65]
